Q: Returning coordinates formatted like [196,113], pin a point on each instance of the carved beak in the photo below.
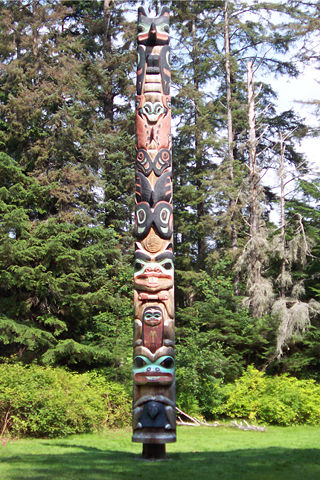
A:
[152,33]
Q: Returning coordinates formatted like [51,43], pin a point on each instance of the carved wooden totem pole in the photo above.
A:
[154,422]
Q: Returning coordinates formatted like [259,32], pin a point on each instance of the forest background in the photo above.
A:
[247,280]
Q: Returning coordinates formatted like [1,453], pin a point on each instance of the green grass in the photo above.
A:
[201,453]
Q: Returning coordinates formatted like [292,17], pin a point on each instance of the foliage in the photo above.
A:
[54,277]
[216,339]
[59,251]
[48,402]
[277,400]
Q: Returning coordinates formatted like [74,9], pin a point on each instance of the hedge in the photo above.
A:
[277,400]
[50,402]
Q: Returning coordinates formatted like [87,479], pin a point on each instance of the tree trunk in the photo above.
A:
[201,242]
[109,95]
[230,156]
[282,219]
[253,175]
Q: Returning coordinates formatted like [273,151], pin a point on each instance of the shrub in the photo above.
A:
[51,402]
[278,400]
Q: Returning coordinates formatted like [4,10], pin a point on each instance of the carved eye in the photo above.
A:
[157,315]
[138,266]
[168,363]
[167,266]
[164,215]
[166,28]
[139,362]
[141,216]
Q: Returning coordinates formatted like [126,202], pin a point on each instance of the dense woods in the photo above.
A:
[247,286]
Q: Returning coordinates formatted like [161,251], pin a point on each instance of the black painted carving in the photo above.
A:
[160,217]
[161,162]
[162,190]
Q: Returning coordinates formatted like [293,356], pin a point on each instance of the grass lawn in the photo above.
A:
[201,453]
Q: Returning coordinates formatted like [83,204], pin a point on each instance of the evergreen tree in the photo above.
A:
[52,119]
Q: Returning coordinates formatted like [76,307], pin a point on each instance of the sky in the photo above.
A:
[291,94]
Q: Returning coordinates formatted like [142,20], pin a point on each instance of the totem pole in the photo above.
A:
[154,422]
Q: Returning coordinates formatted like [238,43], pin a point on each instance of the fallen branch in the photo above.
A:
[194,421]
[214,424]
[247,426]
[190,424]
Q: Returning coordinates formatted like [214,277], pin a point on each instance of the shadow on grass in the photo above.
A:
[94,464]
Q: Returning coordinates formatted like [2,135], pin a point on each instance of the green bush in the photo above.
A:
[278,400]
[37,401]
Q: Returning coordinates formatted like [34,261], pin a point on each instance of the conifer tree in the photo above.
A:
[294,313]
[55,285]
[254,256]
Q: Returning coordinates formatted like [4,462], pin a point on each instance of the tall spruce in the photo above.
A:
[64,278]
[293,249]
[254,256]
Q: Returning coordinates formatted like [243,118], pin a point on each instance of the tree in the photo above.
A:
[55,284]
[254,256]
[294,314]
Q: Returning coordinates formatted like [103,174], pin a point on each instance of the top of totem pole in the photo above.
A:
[153,30]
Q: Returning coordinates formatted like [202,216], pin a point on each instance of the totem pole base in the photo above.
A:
[153,451]
[153,437]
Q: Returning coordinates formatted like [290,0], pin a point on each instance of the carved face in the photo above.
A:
[152,316]
[152,328]
[152,111]
[160,371]
[153,272]
[153,124]
[153,31]
[152,107]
